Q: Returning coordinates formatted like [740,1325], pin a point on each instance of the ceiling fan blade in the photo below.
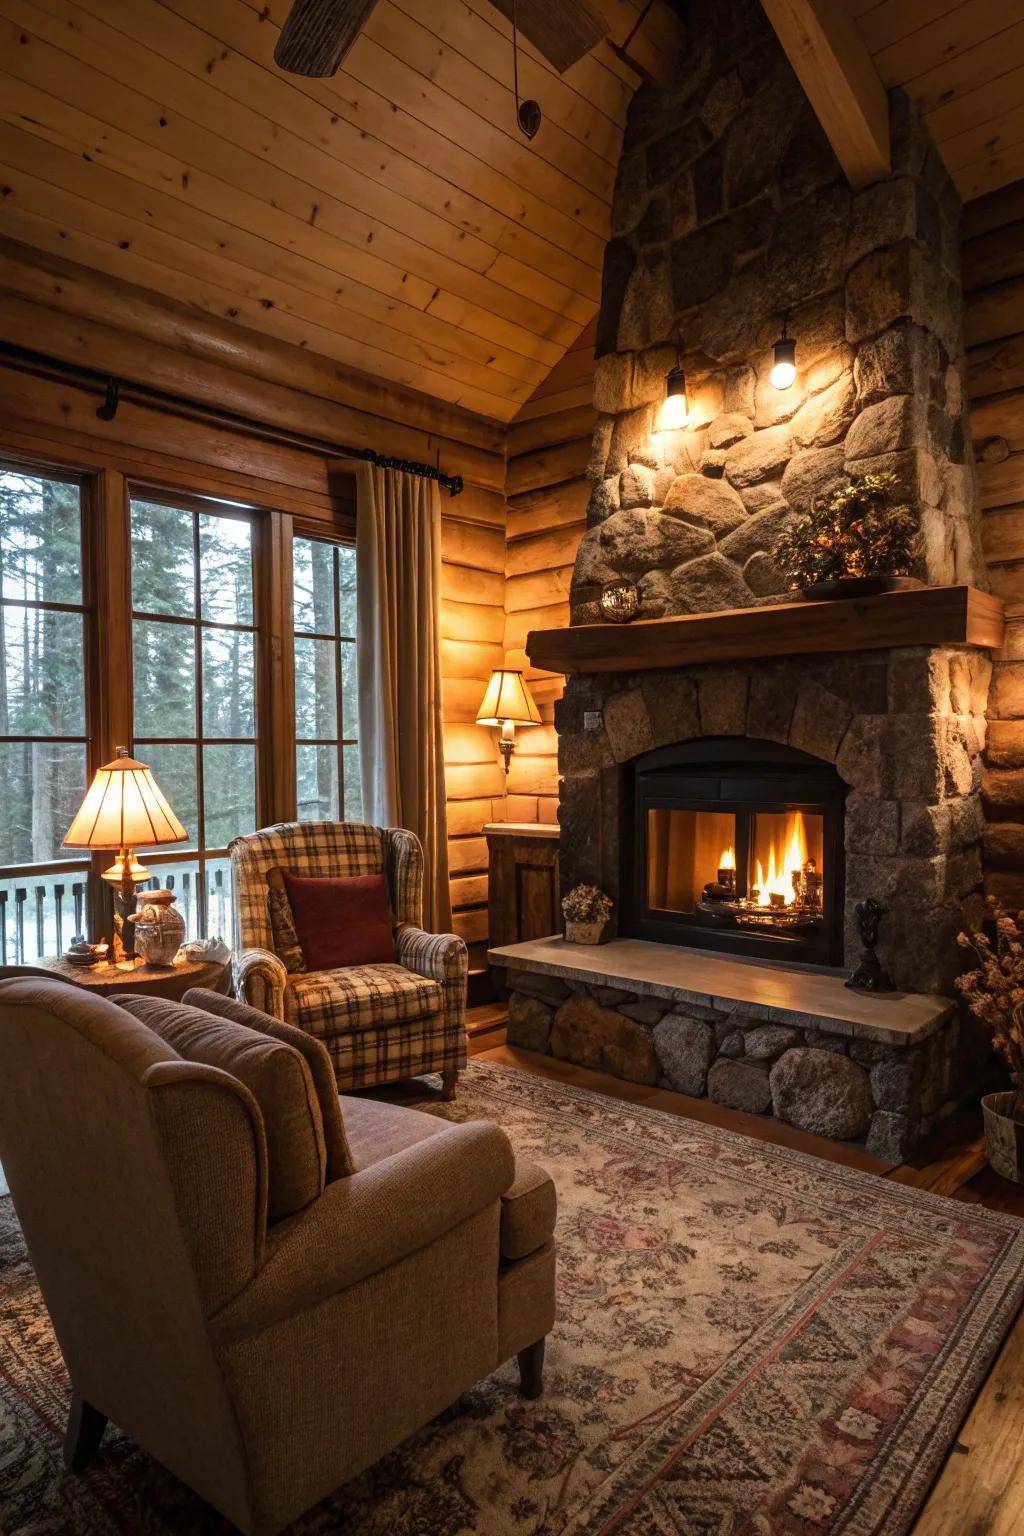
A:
[562,31]
[318,34]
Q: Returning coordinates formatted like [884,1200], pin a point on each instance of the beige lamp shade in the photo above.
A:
[507,699]
[124,807]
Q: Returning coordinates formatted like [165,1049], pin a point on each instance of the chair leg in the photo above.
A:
[449,1078]
[84,1433]
[531,1370]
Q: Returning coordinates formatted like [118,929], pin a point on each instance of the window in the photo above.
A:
[194,669]
[326,699]
[163,647]
[42,711]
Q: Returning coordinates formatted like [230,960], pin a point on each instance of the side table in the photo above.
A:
[522,887]
[171,981]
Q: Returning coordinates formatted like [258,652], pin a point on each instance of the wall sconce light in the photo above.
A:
[784,365]
[674,413]
[507,703]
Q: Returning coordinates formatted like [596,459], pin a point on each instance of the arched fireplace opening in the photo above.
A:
[735,844]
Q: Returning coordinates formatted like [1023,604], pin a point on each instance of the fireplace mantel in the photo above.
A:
[937,616]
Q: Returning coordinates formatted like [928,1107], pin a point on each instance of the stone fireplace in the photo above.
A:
[732,222]
[901,729]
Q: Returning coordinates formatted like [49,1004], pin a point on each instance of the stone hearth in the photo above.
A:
[752,1037]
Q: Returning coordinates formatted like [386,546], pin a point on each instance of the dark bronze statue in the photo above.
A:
[869,975]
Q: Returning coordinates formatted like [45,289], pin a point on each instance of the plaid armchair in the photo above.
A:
[378,1022]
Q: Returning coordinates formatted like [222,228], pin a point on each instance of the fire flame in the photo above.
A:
[727,859]
[779,876]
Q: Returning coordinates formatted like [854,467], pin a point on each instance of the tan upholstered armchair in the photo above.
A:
[378,1022]
[263,1361]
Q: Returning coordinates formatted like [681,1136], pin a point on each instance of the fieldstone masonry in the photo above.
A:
[885,1095]
[731,215]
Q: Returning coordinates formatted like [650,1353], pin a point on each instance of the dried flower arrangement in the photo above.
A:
[586,904]
[994,990]
[854,531]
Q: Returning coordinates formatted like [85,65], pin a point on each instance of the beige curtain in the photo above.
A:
[398,587]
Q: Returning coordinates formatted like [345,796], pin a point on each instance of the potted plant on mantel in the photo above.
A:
[587,912]
[994,992]
[854,542]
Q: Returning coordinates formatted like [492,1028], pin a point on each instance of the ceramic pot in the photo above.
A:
[1004,1135]
[159,927]
[585,933]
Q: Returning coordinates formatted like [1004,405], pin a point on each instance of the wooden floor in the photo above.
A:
[980,1491]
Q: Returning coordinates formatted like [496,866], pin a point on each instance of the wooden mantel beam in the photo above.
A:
[840,81]
[914,616]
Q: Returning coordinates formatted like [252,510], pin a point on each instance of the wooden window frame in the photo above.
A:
[197,506]
[74,864]
[337,639]
[107,480]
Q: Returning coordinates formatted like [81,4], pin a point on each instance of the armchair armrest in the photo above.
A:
[371,1220]
[439,956]
[260,979]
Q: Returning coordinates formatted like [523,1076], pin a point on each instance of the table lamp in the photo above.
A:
[507,703]
[124,808]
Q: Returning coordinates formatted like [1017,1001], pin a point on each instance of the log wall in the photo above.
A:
[549,447]
[993,270]
[54,308]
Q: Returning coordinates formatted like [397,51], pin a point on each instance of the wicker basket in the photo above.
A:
[1004,1135]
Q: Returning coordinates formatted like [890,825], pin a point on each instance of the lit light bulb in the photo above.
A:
[675,411]
[784,370]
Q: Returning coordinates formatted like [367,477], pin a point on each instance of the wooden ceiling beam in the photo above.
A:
[563,33]
[647,40]
[82,293]
[840,81]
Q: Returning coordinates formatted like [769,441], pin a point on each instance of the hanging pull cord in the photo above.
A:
[515,58]
[635,28]
[527,112]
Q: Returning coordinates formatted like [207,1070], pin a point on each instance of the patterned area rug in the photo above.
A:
[749,1341]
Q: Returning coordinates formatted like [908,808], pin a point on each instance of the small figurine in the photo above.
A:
[869,975]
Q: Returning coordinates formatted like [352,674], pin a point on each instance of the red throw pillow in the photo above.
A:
[343,920]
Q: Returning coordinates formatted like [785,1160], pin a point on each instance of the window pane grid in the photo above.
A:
[326,704]
[209,765]
[42,711]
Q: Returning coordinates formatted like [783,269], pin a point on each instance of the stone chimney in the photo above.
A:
[731,220]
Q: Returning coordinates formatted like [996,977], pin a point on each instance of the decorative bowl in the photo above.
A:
[620,601]
[86,954]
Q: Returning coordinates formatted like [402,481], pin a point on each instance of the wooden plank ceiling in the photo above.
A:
[392,218]
[963,60]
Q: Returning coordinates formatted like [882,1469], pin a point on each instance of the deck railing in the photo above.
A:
[41,914]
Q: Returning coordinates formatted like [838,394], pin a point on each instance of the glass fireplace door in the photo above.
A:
[686,849]
[742,854]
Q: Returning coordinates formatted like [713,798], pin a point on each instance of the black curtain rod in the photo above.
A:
[114,391]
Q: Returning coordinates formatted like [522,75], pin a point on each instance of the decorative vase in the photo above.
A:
[857,586]
[1004,1135]
[620,601]
[585,933]
[159,927]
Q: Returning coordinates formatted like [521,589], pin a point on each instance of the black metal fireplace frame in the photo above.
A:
[738,775]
